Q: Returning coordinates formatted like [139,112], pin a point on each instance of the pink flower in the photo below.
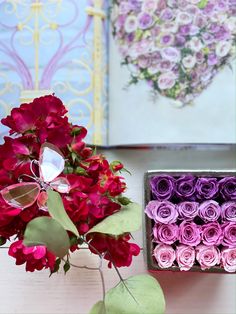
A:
[228,211]
[189,233]
[185,256]
[228,259]
[209,211]
[212,234]
[162,212]
[166,80]
[229,231]
[167,234]
[35,257]
[207,256]
[188,210]
[164,255]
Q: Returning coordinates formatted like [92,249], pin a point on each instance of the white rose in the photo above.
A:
[166,80]
[195,44]
[170,53]
[230,23]
[223,48]
[183,18]
[189,61]
[131,24]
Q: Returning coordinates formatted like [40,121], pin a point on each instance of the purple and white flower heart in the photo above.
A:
[177,46]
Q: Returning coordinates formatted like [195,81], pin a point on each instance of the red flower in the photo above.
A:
[94,187]
[7,213]
[113,185]
[117,249]
[29,116]
[35,257]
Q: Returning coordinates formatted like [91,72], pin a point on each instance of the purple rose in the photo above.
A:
[188,210]
[207,256]
[150,208]
[228,259]
[185,256]
[145,20]
[206,188]
[164,255]
[229,231]
[212,234]
[166,234]
[228,188]
[185,187]
[162,187]
[209,211]
[162,212]
[189,233]
[228,211]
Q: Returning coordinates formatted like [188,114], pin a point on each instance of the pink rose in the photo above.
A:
[185,256]
[164,255]
[167,234]
[228,259]
[166,80]
[207,256]
[229,231]
[209,211]
[228,211]
[189,233]
[212,234]
[162,212]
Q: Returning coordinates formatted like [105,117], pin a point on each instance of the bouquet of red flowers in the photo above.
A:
[57,194]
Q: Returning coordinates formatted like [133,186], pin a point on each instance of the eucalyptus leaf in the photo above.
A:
[139,294]
[47,231]
[57,211]
[128,219]
[98,308]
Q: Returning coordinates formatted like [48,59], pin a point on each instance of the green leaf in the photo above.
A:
[57,211]
[98,308]
[2,241]
[124,200]
[66,267]
[56,267]
[128,219]
[80,171]
[47,231]
[141,294]
[202,4]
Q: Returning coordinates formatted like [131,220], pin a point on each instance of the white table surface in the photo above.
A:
[186,293]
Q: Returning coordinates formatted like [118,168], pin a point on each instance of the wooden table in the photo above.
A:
[186,293]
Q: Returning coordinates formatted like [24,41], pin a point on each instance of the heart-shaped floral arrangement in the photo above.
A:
[177,46]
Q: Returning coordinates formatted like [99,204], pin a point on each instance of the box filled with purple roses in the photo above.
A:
[190,220]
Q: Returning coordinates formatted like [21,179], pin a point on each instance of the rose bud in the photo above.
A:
[207,256]
[116,166]
[164,255]
[162,187]
[185,256]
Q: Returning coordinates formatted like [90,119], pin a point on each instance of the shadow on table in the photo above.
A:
[194,293]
